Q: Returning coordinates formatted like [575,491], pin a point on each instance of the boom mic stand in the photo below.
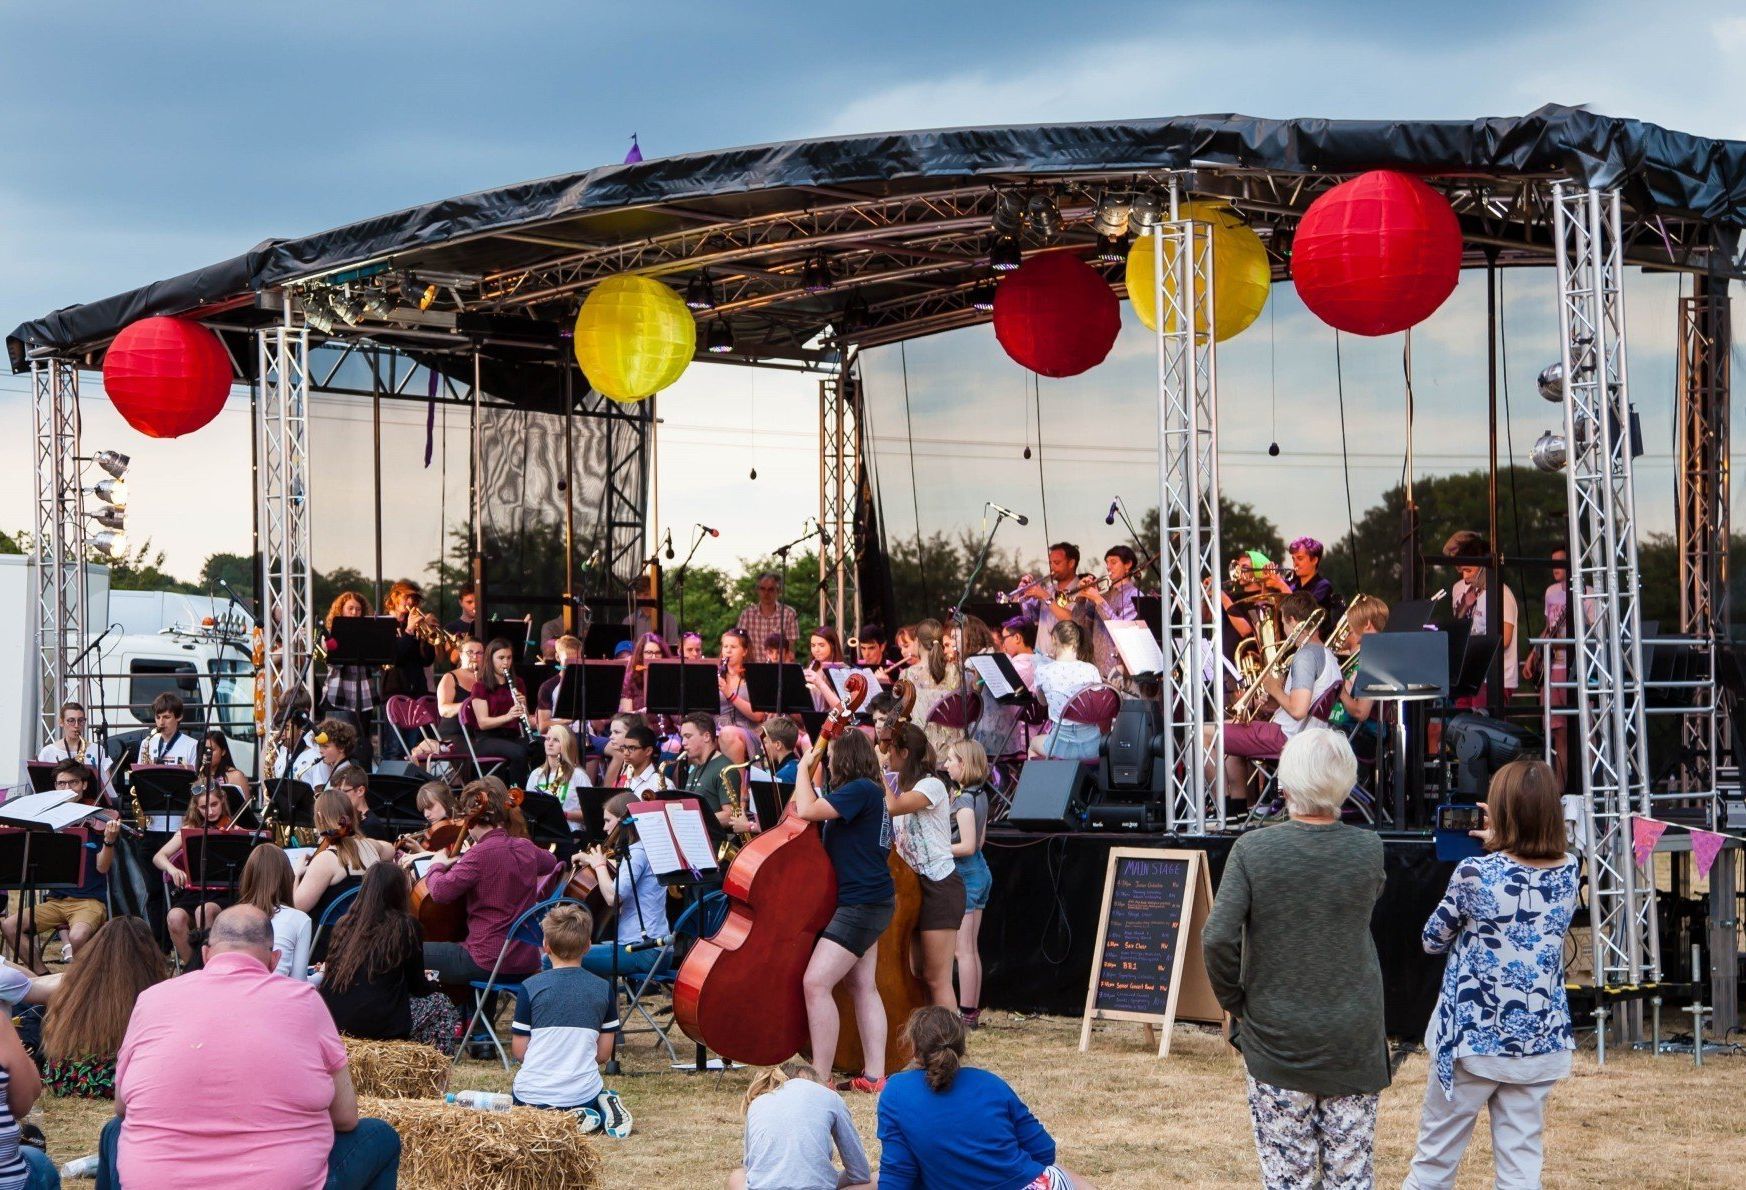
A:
[679,580]
[781,552]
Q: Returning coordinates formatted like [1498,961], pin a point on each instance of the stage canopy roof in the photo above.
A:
[901,222]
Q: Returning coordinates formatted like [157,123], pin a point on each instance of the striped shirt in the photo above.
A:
[13,1172]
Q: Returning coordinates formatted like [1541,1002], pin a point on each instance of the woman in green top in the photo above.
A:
[89,1013]
[1289,953]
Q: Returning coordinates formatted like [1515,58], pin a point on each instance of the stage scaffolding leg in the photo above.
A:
[282,498]
[1701,480]
[1188,500]
[1605,622]
[839,480]
[59,542]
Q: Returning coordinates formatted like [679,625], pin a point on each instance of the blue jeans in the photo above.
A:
[42,1172]
[598,959]
[366,1158]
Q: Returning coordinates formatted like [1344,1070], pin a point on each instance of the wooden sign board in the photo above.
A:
[1147,965]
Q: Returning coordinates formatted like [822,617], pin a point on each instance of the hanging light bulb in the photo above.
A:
[1551,382]
[719,340]
[110,491]
[1043,216]
[816,276]
[1549,452]
[855,314]
[114,462]
[109,517]
[982,296]
[754,474]
[1004,255]
[1273,449]
[1009,213]
[700,292]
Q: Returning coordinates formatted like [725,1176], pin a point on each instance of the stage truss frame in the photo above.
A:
[839,597]
[59,542]
[282,529]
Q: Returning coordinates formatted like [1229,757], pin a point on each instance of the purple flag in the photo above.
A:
[1705,846]
[1645,833]
[636,152]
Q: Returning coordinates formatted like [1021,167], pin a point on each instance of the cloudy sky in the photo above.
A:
[151,139]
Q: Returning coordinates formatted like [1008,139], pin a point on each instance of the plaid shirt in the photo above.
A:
[759,625]
[350,687]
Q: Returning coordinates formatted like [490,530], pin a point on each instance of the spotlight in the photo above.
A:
[109,517]
[700,292]
[428,298]
[1552,381]
[1111,249]
[376,305]
[109,543]
[1043,215]
[350,309]
[982,296]
[320,319]
[1146,213]
[110,491]
[1111,217]
[114,462]
[719,340]
[1004,255]
[1549,452]
[1009,213]
[816,277]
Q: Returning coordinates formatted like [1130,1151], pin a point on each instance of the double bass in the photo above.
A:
[901,990]
[740,992]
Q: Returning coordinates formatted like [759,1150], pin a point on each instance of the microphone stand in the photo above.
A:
[679,581]
[781,552]
[1122,511]
[956,615]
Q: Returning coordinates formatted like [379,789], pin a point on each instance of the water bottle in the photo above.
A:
[481,1100]
[84,1167]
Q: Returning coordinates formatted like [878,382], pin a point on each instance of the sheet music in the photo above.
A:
[55,809]
[840,675]
[656,834]
[1137,646]
[692,836]
[988,669]
[758,773]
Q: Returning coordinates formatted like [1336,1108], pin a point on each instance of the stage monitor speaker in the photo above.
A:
[1050,796]
[402,768]
[1131,767]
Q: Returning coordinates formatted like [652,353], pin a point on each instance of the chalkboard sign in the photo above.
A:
[1148,964]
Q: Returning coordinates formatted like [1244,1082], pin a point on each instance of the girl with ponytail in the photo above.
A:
[942,1123]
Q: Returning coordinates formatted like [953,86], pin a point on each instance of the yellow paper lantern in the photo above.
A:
[634,337]
[1242,277]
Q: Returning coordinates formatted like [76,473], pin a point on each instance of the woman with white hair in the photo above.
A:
[1289,953]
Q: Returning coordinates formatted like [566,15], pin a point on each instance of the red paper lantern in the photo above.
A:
[166,376]
[1056,315]
[1377,254]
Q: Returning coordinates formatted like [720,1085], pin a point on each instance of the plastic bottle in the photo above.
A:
[83,1167]
[480,1100]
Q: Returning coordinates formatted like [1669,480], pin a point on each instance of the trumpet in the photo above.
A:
[1248,703]
[1084,583]
[423,626]
[1026,582]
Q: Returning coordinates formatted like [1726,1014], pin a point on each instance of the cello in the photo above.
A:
[901,990]
[441,923]
[739,991]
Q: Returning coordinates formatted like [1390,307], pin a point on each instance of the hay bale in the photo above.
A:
[397,1069]
[443,1147]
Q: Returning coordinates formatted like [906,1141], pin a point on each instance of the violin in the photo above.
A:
[584,883]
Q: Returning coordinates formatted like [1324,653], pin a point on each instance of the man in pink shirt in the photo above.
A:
[233,1076]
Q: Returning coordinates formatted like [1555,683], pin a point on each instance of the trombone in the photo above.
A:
[1248,704]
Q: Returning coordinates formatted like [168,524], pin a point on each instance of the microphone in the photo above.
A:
[649,944]
[824,534]
[708,530]
[669,545]
[1110,519]
[1023,520]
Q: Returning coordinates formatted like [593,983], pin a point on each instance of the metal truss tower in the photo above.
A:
[1188,497]
[1604,613]
[839,483]
[282,502]
[59,542]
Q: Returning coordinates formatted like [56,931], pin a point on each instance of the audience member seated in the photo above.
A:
[231,1076]
[337,866]
[88,1016]
[374,982]
[565,1020]
[942,1123]
[792,1120]
[267,884]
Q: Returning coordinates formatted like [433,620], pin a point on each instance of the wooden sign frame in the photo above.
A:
[1190,996]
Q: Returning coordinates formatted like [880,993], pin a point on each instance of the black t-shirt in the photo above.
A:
[411,655]
[857,843]
[380,1007]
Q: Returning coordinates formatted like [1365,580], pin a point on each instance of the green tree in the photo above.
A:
[928,574]
[13,543]
[140,569]
[1240,528]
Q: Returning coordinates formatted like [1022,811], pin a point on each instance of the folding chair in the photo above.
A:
[956,711]
[335,910]
[528,928]
[419,715]
[700,920]
[1095,706]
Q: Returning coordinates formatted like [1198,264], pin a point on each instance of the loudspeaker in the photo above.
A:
[402,768]
[1050,796]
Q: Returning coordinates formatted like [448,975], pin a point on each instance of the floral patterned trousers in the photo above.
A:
[1296,1131]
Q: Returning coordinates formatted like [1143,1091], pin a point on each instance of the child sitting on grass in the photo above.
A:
[792,1119]
[565,1019]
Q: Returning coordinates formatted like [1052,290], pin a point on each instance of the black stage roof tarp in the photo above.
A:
[1660,172]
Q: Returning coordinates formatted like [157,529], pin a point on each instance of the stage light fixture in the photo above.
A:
[110,491]
[1111,217]
[700,292]
[1146,213]
[376,305]
[319,318]
[110,543]
[1551,381]
[1009,213]
[1111,249]
[1043,216]
[982,296]
[428,298]
[109,517]
[1549,452]
[1004,255]
[719,340]
[350,309]
[112,461]
[816,276]
[854,316]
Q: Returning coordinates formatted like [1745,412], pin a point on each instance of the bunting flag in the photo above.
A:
[636,152]
[1705,846]
[1645,833]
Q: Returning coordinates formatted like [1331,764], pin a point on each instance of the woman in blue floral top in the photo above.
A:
[1501,1035]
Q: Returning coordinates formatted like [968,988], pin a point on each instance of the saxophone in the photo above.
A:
[732,841]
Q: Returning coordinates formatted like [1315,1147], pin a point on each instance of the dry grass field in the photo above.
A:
[1127,1119]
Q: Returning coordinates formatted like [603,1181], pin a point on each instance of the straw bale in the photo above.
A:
[397,1069]
[444,1147]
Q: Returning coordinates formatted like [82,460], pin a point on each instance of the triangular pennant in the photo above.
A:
[1645,833]
[1705,846]
[636,152]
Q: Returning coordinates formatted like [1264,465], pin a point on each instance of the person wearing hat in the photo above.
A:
[1248,568]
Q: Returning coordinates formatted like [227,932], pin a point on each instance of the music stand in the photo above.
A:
[1016,692]
[546,824]
[769,799]
[214,859]
[1150,608]
[513,631]
[1470,662]
[1412,615]
[394,799]
[162,791]
[588,691]
[666,695]
[42,774]
[363,640]
[293,803]
[32,860]
[593,799]
[992,614]
[603,640]
[1402,668]
[766,679]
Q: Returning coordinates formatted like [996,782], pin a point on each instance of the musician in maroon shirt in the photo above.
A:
[498,877]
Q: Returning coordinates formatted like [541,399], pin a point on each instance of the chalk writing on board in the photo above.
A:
[1144,926]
